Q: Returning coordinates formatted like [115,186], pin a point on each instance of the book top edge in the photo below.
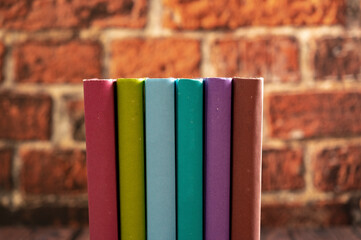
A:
[170,80]
[249,78]
[191,79]
[131,79]
[219,79]
[98,80]
[224,78]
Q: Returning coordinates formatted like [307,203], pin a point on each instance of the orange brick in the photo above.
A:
[76,113]
[40,14]
[2,53]
[53,171]
[156,57]
[57,62]
[337,58]
[282,169]
[314,114]
[275,58]
[337,168]
[6,155]
[205,14]
[25,117]
[298,215]
[72,216]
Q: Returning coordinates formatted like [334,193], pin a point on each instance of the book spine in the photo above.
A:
[160,158]
[189,121]
[131,158]
[246,158]
[99,106]
[218,103]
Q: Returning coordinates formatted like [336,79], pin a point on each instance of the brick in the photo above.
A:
[41,15]
[44,215]
[76,114]
[276,58]
[6,155]
[353,9]
[53,171]
[337,168]
[51,232]
[313,214]
[355,208]
[2,56]
[337,58]
[155,57]
[11,232]
[57,62]
[85,235]
[25,117]
[314,114]
[7,217]
[204,14]
[282,169]
[53,215]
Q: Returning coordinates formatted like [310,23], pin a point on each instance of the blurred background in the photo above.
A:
[308,51]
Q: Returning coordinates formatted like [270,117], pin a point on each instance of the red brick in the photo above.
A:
[276,58]
[337,168]
[39,14]
[6,155]
[337,58]
[85,235]
[355,208]
[314,114]
[25,117]
[7,216]
[204,14]
[53,215]
[57,62]
[156,57]
[76,114]
[313,214]
[43,215]
[53,171]
[282,169]
[2,55]
[353,8]
[11,232]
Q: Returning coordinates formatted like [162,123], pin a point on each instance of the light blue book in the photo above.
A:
[160,158]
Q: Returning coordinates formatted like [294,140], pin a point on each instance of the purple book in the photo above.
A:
[218,101]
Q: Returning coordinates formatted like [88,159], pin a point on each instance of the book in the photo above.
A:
[131,158]
[99,107]
[217,109]
[160,158]
[246,158]
[189,151]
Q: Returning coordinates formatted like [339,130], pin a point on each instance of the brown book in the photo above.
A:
[246,158]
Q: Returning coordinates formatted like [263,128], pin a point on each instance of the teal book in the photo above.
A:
[189,135]
[160,158]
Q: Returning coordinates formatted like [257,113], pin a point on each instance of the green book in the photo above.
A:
[131,158]
[189,129]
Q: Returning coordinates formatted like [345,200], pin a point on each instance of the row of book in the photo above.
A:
[174,158]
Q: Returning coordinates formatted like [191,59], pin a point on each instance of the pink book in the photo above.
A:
[100,130]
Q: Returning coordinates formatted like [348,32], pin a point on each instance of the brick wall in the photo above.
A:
[308,51]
